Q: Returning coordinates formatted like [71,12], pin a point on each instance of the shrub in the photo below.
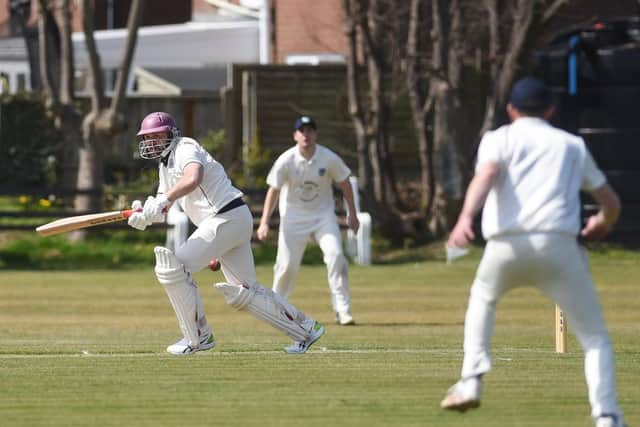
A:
[29,142]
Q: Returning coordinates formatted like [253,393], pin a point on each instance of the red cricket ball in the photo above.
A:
[214,265]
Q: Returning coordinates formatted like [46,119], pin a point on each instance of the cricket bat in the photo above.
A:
[82,221]
[561,331]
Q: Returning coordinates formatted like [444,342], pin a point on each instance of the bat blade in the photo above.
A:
[82,221]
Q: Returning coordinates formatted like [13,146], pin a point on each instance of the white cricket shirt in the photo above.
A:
[215,190]
[306,185]
[541,172]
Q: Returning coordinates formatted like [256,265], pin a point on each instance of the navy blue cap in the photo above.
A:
[304,120]
[530,95]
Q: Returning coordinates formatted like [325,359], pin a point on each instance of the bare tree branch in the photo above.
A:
[505,70]
[95,69]
[420,103]
[494,63]
[135,16]
[523,18]
[44,17]
[66,54]
[370,29]
[553,9]
[354,89]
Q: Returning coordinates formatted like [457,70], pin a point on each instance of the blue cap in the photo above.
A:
[304,121]
[530,95]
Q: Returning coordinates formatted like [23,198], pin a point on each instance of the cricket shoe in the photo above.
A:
[300,347]
[344,318]
[609,420]
[463,395]
[182,347]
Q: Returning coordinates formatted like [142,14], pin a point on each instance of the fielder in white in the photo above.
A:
[191,177]
[528,178]
[304,174]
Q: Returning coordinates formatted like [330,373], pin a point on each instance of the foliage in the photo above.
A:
[213,141]
[121,250]
[108,248]
[255,167]
[29,202]
[29,142]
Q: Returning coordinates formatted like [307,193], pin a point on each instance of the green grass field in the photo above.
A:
[86,348]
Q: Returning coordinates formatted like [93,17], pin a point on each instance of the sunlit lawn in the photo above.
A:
[87,349]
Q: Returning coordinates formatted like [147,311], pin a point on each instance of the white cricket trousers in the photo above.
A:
[554,263]
[227,238]
[292,241]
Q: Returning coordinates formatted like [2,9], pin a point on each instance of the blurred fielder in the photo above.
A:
[191,177]
[305,174]
[528,178]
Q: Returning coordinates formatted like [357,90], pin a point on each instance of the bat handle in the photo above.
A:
[128,212]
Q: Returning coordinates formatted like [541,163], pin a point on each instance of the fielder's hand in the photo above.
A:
[462,233]
[262,232]
[353,222]
[596,228]
[138,220]
[156,207]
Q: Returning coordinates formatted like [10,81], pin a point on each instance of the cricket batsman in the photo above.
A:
[190,176]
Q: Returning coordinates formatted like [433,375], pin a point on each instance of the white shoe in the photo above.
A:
[344,318]
[609,420]
[463,395]
[182,347]
[300,347]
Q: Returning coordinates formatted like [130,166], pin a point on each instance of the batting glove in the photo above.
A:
[136,205]
[155,208]
[137,220]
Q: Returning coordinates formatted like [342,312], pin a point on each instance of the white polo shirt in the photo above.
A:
[541,172]
[306,185]
[215,190]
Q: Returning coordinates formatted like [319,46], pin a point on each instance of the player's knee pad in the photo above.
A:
[266,305]
[169,269]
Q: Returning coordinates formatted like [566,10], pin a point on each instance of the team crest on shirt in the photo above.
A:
[322,171]
[308,191]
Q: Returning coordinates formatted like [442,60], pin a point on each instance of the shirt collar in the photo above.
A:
[300,158]
[530,119]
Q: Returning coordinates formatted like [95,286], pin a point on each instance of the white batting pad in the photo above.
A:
[181,291]
[266,305]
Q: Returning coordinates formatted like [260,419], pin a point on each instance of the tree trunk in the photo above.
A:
[102,122]
[90,170]
[355,96]
[449,181]
[371,122]
[445,84]
[69,119]
[420,101]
